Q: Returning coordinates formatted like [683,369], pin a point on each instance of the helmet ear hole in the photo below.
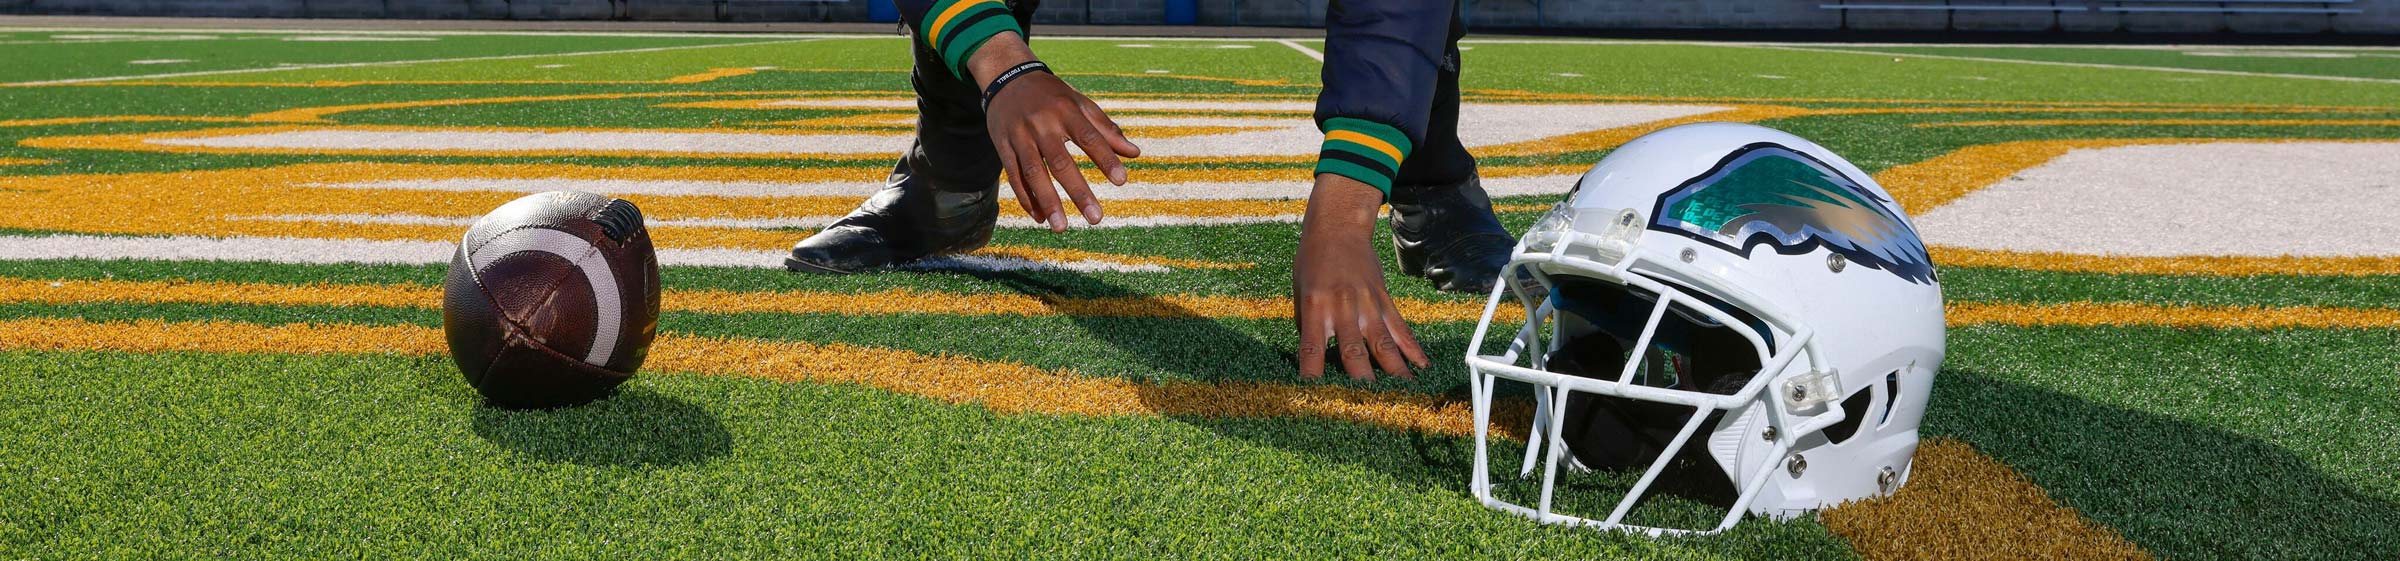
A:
[1854,413]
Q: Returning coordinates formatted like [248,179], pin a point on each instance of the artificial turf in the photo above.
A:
[2194,443]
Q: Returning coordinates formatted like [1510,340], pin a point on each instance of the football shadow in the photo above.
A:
[636,427]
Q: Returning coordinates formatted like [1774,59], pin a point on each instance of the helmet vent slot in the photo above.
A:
[1854,413]
[1891,397]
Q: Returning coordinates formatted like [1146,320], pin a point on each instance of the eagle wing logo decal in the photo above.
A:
[1769,194]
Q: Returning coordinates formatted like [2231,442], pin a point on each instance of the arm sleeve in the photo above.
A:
[955,28]
[1382,61]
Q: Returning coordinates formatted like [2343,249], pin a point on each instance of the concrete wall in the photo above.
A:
[2378,17]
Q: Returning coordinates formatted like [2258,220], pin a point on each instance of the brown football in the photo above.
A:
[552,300]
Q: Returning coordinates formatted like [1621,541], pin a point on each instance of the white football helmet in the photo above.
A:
[1725,282]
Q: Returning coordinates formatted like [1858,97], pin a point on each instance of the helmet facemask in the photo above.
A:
[1627,365]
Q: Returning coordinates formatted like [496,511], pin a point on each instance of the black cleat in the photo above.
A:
[1448,234]
[910,219]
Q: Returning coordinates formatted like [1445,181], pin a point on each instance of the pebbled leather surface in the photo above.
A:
[518,327]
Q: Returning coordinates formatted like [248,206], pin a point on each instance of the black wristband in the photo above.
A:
[1011,75]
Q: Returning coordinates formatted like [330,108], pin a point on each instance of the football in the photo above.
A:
[552,300]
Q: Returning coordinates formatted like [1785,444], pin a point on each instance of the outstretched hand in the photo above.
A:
[1338,291]
[1031,120]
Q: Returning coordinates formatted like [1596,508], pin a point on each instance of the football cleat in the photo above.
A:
[910,219]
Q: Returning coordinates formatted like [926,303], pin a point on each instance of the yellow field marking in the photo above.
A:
[2174,122]
[1610,138]
[903,122]
[889,302]
[1923,186]
[784,105]
[60,121]
[693,78]
[2141,314]
[912,301]
[2302,110]
[1552,96]
[25,161]
[225,203]
[1960,504]
[1000,386]
[2181,265]
[769,104]
[1927,185]
[884,120]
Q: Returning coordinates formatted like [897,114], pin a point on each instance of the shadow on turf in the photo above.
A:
[1199,348]
[635,428]
[2179,489]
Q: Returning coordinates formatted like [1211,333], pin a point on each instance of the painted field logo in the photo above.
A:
[1766,193]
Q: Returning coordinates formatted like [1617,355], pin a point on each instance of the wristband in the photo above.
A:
[1011,75]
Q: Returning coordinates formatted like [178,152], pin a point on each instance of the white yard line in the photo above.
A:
[388,63]
[1312,53]
[411,252]
[2083,64]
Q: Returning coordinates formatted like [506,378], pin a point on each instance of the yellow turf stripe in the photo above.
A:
[896,301]
[24,161]
[911,301]
[2178,265]
[1958,505]
[1002,387]
[224,203]
[2133,314]
[1962,505]
[1362,139]
[2174,122]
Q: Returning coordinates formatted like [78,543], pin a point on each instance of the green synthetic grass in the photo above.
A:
[2195,443]
[2352,63]
[381,456]
[70,60]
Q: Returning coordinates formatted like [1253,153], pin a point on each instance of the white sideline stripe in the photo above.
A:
[1295,189]
[2085,65]
[386,63]
[1311,53]
[409,252]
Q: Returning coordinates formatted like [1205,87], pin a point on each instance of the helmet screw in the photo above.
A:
[1887,480]
[1625,218]
[1689,254]
[1799,392]
[1796,465]
[1836,262]
[1769,435]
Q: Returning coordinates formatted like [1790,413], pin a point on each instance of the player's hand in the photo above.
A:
[1338,291]
[1031,121]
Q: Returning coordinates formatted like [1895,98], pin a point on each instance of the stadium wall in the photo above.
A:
[2372,17]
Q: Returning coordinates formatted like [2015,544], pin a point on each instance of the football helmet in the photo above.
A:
[1725,283]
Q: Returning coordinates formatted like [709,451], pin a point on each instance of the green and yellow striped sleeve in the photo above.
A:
[1367,151]
[955,28]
